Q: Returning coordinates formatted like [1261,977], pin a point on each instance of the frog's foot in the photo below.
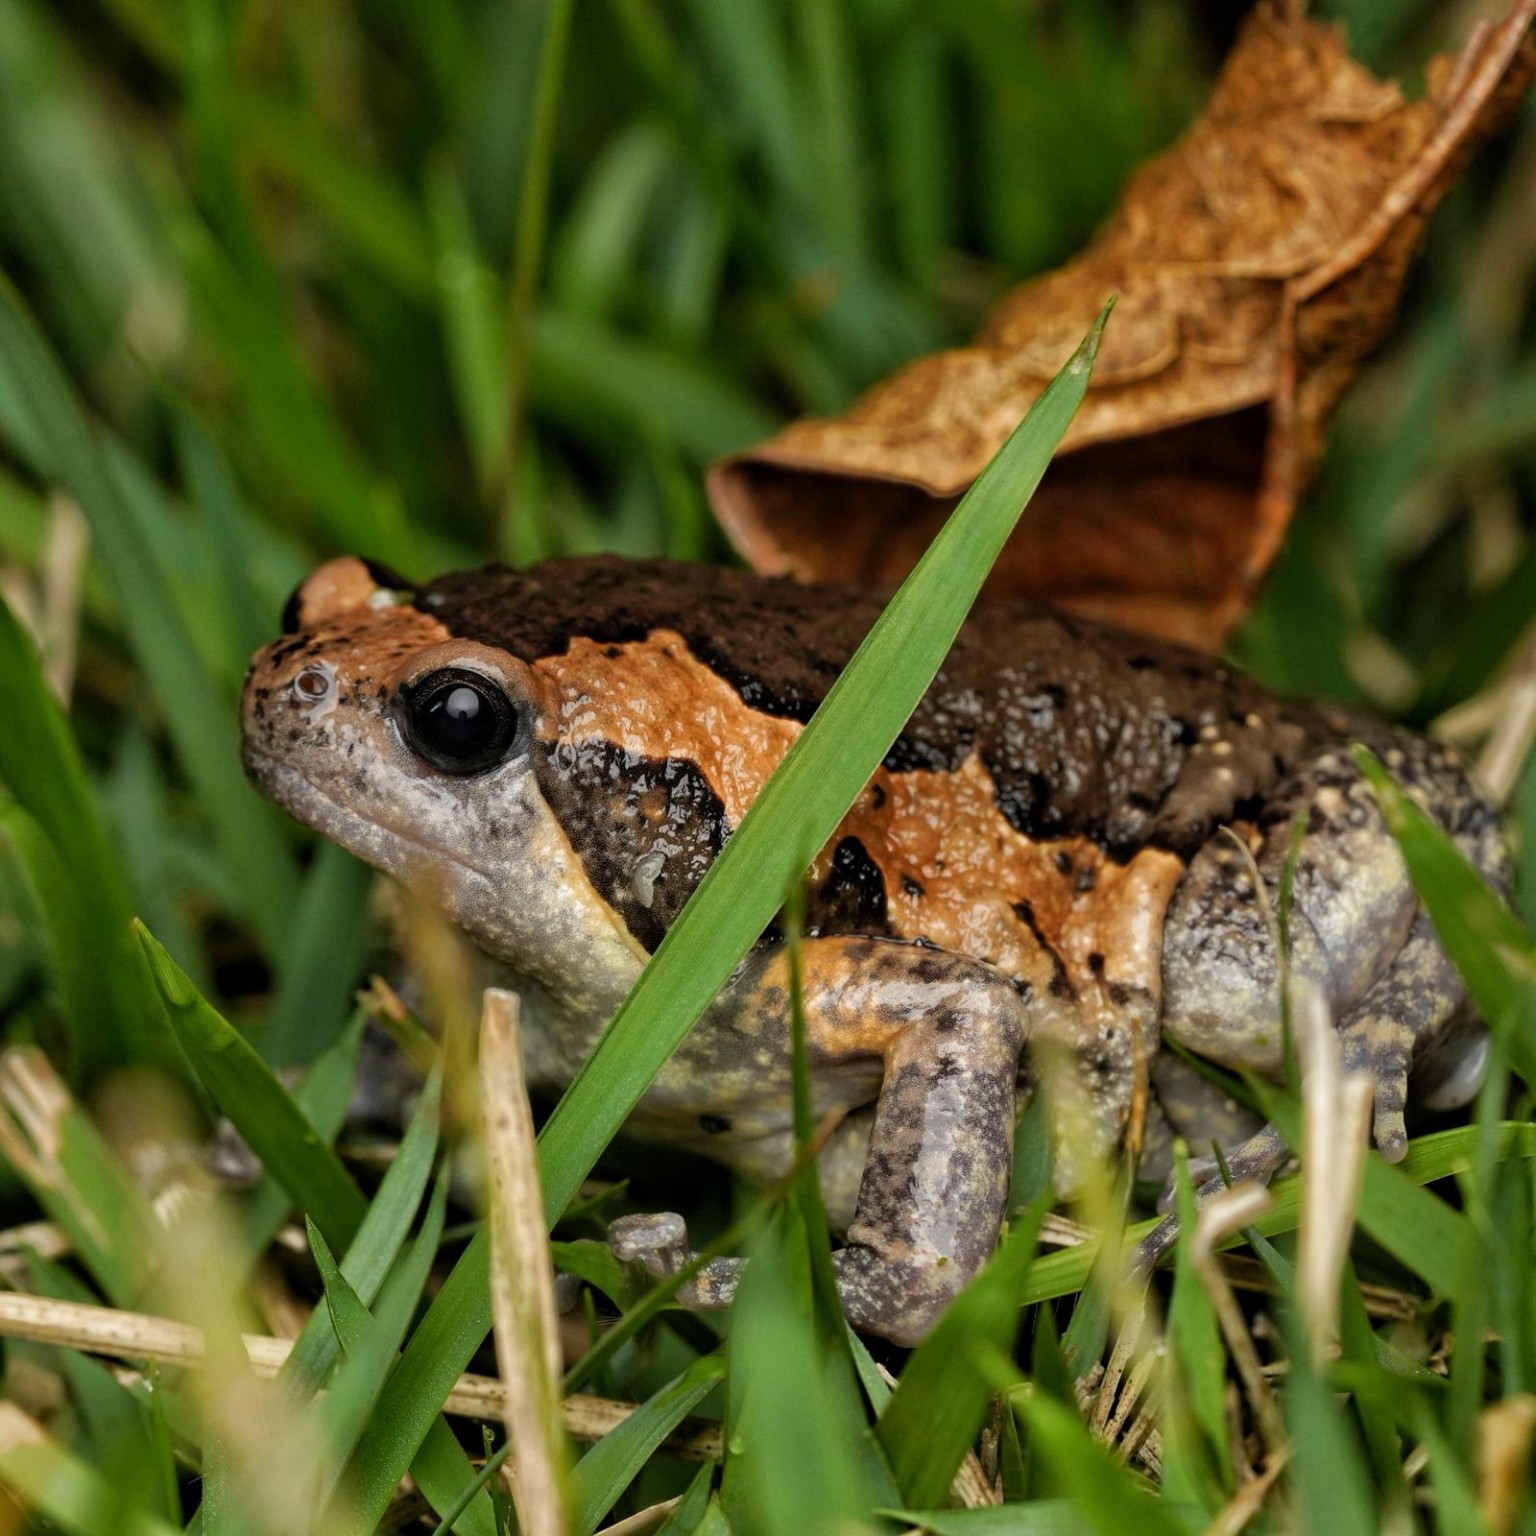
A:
[659,1244]
[1255,1161]
[1412,1003]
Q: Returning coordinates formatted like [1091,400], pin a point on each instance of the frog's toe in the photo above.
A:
[1203,1170]
[1384,1049]
[1256,1161]
[657,1242]
[1398,1022]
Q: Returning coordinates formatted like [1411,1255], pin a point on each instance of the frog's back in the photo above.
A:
[1082,729]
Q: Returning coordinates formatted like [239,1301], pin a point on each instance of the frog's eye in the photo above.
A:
[459,721]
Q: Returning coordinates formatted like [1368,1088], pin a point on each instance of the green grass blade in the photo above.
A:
[75,1176]
[941,1401]
[610,1466]
[198,715]
[1102,1493]
[817,781]
[371,1340]
[72,1495]
[258,1106]
[378,1242]
[63,843]
[441,1348]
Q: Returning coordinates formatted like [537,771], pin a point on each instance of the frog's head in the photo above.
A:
[411,747]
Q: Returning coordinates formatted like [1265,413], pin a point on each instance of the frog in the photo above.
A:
[1062,878]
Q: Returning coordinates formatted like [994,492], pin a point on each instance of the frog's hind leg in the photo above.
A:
[1357,934]
[1419,994]
[941,1035]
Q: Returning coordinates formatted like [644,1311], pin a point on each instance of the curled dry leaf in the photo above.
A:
[1258,261]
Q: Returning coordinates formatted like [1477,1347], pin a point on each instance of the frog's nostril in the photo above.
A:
[312,684]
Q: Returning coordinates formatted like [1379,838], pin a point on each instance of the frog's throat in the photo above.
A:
[556,933]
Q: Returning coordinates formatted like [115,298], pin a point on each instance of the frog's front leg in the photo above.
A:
[943,1034]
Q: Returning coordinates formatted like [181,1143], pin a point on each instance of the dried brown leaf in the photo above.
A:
[1258,261]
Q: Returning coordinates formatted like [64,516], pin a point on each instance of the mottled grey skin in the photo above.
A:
[567,858]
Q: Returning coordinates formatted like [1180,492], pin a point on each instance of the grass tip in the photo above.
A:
[172,983]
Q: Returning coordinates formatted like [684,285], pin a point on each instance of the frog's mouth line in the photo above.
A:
[303,799]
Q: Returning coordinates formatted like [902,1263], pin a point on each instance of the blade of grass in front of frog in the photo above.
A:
[196,711]
[780,1412]
[612,1464]
[941,1400]
[795,813]
[801,804]
[1102,1492]
[322,1095]
[1496,957]
[57,831]
[258,1105]
[441,1470]
[378,1243]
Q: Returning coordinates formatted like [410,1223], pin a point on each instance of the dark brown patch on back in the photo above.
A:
[851,896]
[1084,730]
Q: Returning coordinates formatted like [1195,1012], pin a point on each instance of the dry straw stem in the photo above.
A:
[1229,1212]
[1336,1118]
[1249,1499]
[522,1276]
[1503,717]
[1504,1434]
[642,1521]
[139,1336]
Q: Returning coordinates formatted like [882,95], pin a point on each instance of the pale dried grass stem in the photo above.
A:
[1228,1212]
[522,1276]
[1336,1118]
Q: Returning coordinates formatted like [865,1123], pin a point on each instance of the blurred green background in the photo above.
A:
[440,282]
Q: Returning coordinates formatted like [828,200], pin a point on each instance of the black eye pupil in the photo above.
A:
[459,722]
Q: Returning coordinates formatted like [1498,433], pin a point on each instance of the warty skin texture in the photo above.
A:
[1046,867]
